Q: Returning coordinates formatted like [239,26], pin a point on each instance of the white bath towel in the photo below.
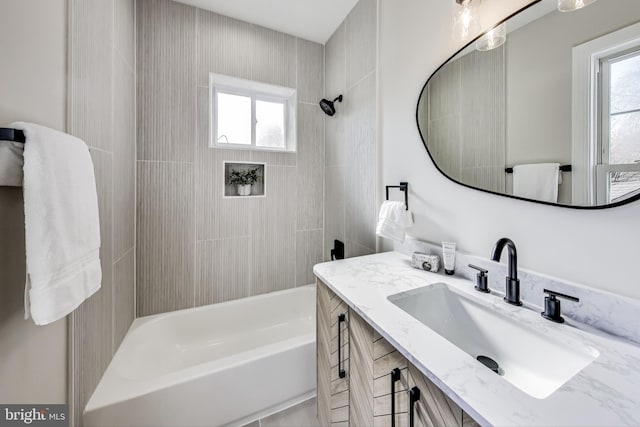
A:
[537,181]
[11,163]
[62,228]
[393,221]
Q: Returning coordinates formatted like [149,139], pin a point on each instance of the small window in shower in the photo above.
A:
[251,115]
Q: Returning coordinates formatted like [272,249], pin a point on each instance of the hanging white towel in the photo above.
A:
[11,162]
[62,228]
[393,221]
[537,181]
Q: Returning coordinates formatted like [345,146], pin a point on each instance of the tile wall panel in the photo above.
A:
[165,237]
[166,81]
[351,135]
[334,208]
[310,170]
[336,62]
[102,111]
[124,154]
[125,31]
[92,336]
[123,296]
[277,158]
[335,139]
[362,24]
[444,92]
[353,249]
[471,122]
[91,71]
[274,56]
[223,270]
[308,253]
[483,141]
[444,136]
[310,72]
[224,47]
[361,184]
[273,232]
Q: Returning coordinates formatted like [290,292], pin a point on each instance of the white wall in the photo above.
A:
[33,48]
[596,248]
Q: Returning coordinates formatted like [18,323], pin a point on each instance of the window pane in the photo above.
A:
[625,139]
[234,119]
[625,85]
[270,124]
[621,184]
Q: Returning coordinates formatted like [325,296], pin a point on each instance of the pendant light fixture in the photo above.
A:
[465,21]
[571,5]
[492,39]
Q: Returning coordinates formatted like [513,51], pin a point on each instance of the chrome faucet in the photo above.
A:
[512,291]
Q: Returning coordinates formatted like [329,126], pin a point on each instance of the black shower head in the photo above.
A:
[328,106]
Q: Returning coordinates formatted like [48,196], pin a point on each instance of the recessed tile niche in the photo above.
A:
[239,179]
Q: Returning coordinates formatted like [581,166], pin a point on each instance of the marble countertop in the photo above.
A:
[605,393]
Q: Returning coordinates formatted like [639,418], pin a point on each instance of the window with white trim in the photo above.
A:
[618,171]
[245,114]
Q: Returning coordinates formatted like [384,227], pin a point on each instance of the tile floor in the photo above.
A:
[301,415]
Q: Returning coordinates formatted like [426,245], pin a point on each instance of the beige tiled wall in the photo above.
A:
[194,246]
[102,111]
[351,134]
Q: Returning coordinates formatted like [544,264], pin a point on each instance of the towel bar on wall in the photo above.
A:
[404,186]
[15,135]
[563,168]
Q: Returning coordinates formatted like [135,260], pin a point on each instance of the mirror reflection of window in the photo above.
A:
[618,171]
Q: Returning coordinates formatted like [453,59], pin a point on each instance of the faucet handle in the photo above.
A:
[481,281]
[552,309]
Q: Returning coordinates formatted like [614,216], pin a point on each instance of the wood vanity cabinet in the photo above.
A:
[363,397]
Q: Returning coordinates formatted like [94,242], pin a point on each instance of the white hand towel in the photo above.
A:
[537,181]
[11,162]
[62,228]
[393,221]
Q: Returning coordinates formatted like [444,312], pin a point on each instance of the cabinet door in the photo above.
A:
[435,409]
[333,391]
[361,372]
[385,359]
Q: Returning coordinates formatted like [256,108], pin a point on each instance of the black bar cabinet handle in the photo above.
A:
[341,372]
[395,377]
[414,396]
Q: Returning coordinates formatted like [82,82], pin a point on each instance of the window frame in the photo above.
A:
[256,91]
[603,167]
[585,112]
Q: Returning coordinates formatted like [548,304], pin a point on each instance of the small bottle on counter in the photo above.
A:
[425,261]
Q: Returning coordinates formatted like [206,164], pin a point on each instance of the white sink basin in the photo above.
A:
[528,359]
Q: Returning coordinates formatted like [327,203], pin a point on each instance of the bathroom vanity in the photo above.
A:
[395,340]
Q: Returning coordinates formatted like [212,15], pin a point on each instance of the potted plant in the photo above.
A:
[244,179]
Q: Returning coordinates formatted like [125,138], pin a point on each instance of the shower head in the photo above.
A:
[328,106]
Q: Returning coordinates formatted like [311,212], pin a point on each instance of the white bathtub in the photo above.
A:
[223,364]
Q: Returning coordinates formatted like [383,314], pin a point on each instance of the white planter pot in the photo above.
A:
[244,190]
